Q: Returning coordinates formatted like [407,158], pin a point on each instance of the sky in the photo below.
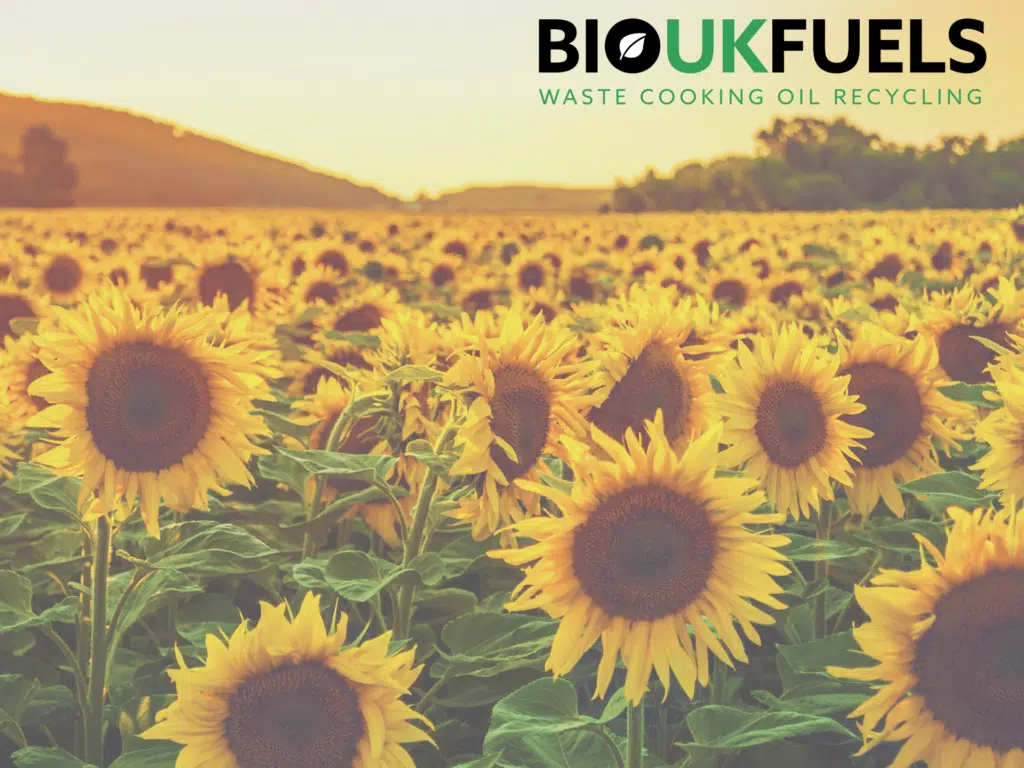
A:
[413,96]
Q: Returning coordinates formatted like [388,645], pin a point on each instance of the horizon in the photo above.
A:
[221,82]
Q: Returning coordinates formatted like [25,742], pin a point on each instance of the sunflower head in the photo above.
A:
[645,553]
[783,406]
[287,692]
[146,406]
[947,640]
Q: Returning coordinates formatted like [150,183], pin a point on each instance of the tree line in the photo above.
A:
[807,164]
[41,176]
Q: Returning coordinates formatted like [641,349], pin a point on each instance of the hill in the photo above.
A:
[519,198]
[125,159]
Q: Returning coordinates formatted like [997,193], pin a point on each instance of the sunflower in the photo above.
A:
[947,640]
[644,368]
[731,286]
[21,366]
[246,276]
[954,319]
[896,380]
[361,309]
[324,361]
[1003,430]
[783,406]
[322,409]
[650,548]
[441,271]
[17,303]
[523,396]
[147,405]
[318,286]
[529,271]
[286,692]
[66,274]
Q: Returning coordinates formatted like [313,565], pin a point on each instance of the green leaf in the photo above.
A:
[157,757]
[47,757]
[540,724]
[482,762]
[971,393]
[726,729]
[205,548]
[369,469]
[282,425]
[16,612]
[320,525]
[284,469]
[822,704]
[46,489]
[414,373]
[806,549]
[486,644]
[363,340]
[951,488]
[10,523]
[158,590]
[993,346]
[423,451]
[359,576]
[838,650]
[22,325]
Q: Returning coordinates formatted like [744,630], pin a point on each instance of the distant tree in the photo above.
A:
[805,163]
[48,178]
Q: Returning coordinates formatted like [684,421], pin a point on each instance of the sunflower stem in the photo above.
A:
[635,735]
[333,439]
[414,544]
[821,573]
[98,646]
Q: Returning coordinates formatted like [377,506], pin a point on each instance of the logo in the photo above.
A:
[634,46]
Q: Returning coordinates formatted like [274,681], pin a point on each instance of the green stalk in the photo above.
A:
[316,504]
[414,544]
[821,572]
[98,646]
[635,736]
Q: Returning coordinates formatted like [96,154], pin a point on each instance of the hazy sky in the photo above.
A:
[412,95]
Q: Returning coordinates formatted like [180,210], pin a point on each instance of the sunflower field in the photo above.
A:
[354,490]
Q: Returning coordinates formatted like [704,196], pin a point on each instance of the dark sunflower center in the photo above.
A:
[521,416]
[10,308]
[455,248]
[441,275]
[645,553]
[298,266]
[303,714]
[34,371]
[888,268]
[886,304]
[943,256]
[893,411]
[365,317]
[731,292]
[964,358]
[148,406]
[334,259]
[229,278]
[531,276]
[323,290]
[764,269]
[702,250]
[791,425]
[652,382]
[63,274]
[783,292]
[155,275]
[581,287]
[970,664]
[478,300]
[118,275]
